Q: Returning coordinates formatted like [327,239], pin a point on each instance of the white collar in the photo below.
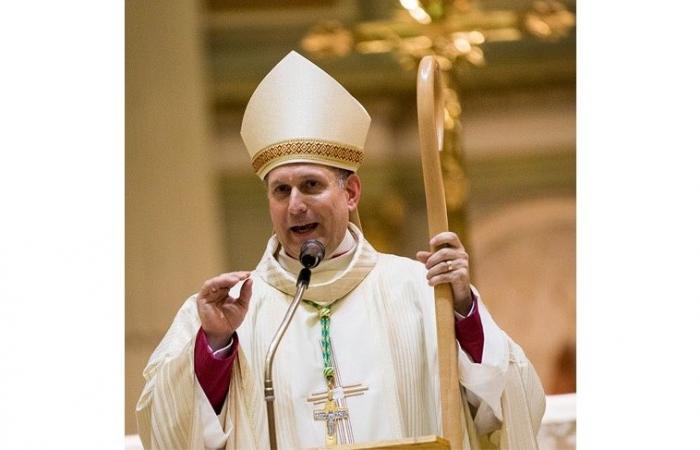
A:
[331,280]
[329,266]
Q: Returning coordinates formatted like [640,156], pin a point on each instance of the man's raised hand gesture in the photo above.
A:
[220,313]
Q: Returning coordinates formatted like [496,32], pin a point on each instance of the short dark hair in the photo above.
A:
[343,175]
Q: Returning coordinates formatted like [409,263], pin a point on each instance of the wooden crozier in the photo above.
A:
[431,129]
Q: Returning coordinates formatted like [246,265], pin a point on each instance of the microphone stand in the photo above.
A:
[302,284]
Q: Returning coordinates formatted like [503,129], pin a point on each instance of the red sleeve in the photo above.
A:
[213,374]
[470,333]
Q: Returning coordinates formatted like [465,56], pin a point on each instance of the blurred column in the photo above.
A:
[173,234]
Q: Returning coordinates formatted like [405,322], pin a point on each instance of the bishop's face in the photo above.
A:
[307,202]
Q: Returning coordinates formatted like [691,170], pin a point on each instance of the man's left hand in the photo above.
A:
[449,264]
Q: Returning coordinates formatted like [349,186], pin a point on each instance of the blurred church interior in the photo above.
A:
[195,207]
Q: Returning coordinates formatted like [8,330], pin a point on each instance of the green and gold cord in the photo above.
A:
[324,313]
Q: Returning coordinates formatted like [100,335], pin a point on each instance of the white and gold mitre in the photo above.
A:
[299,113]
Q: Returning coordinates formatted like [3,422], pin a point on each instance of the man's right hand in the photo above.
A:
[220,313]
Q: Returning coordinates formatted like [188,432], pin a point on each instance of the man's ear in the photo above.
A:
[353,189]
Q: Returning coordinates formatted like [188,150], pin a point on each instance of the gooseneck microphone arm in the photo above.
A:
[311,254]
[302,284]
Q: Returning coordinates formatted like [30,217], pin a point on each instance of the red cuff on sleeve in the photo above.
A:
[214,375]
[470,334]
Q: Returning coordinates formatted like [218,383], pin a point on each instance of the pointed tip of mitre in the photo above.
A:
[297,100]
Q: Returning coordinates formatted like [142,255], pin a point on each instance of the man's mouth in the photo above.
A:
[304,229]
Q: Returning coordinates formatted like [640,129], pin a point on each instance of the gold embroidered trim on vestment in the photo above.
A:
[315,150]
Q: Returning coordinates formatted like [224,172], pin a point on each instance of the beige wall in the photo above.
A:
[173,232]
[525,264]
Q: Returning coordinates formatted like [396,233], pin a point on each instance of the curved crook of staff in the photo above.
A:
[431,132]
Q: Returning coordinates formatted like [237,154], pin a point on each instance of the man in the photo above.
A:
[358,362]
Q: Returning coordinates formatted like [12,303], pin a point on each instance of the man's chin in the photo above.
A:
[293,245]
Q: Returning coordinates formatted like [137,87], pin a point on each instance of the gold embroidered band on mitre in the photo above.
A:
[299,150]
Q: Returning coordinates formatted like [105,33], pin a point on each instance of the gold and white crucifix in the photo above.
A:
[330,414]
[335,410]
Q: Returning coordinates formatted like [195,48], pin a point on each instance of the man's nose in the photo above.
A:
[297,203]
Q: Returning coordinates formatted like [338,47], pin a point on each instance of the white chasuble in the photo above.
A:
[382,329]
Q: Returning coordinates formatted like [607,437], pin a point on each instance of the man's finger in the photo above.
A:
[246,292]
[216,290]
[241,274]
[444,267]
[439,256]
[445,238]
[224,281]
[439,279]
[446,254]
[449,277]
[423,256]
[229,280]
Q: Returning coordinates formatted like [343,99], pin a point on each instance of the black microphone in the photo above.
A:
[312,253]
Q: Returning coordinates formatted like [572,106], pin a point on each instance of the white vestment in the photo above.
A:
[383,336]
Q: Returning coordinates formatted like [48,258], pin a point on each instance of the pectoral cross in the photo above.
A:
[330,413]
[335,410]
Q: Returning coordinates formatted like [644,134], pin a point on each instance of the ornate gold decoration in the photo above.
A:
[452,30]
[308,149]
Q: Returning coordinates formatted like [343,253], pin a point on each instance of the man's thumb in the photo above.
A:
[246,291]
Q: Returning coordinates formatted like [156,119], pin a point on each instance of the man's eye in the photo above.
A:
[312,184]
[282,189]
